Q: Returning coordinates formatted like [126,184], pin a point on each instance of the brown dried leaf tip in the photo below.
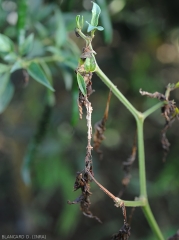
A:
[169,111]
[100,129]
[82,182]
[124,232]
[127,167]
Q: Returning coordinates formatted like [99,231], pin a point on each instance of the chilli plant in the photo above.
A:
[86,67]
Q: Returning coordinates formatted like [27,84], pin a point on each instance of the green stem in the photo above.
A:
[137,203]
[141,152]
[152,222]
[152,109]
[116,92]
[142,173]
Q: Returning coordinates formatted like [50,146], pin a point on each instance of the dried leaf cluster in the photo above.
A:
[169,111]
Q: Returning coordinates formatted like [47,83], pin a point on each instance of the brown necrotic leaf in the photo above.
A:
[100,128]
[127,167]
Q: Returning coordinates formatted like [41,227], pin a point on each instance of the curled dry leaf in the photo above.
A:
[100,128]
[169,111]
[82,182]
[127,167]
[124,232]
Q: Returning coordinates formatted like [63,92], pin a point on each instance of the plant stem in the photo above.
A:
[152,109]
[116,92]
[152,222]
[140,117]
[141,152]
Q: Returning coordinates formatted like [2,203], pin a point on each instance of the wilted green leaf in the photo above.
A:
[3,68]
[27,45]
[90,64]
[36,72]
[95,14]
[91,27]
[6,45]
[61,34]
[6,91]
[81,84]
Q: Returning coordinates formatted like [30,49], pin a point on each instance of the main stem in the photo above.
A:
[142,173]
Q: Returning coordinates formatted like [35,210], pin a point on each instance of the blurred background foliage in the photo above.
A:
[42,142]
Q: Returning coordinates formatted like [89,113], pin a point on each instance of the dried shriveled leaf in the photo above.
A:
[100,128]
[124,232]
[127,167]
[157,95]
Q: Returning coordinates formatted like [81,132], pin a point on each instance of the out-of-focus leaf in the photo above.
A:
[27,45]
[54,50]
[6,45]
[41,29]
[177,85]
[50,94]
[3,68]
[67,77]
[61,34]
[81,84]
[95,14]
[36,72]
[75,113]
[6,91]
[37,50]
[11,57]
[106,21]
[91,27]
[17,65]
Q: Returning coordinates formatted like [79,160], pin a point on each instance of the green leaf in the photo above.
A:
[177,85]
[6,45]
[81,84]
[17,65]
[3,68]
[79,23]
[95,14]
[90,64]
[36,72]
[50,94]
[91,27]
[11,57]
[6,91]
[27,45]
[61,34]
